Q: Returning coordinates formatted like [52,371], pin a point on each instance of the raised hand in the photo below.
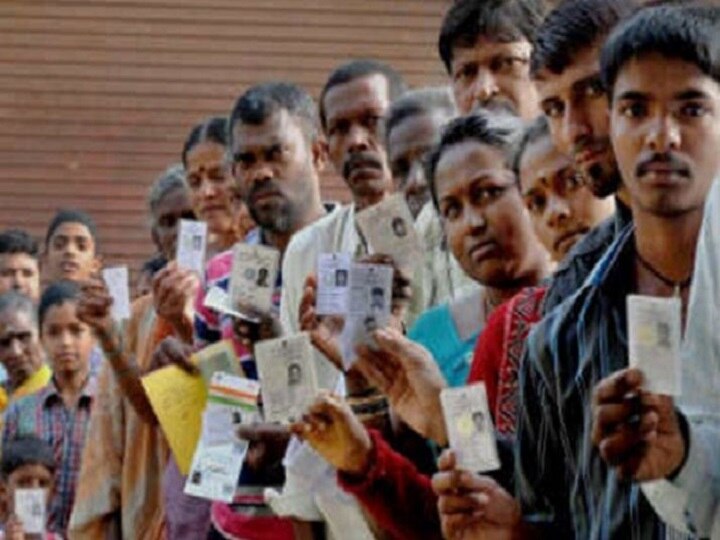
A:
[473,506]
[174,290]
[250,333]
[173,352]
[408,375]
[94,309]
[324,331]
[636,432]
[268,443]
[333,430]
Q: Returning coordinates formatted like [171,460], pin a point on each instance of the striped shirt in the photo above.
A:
[44,414]
[563,484]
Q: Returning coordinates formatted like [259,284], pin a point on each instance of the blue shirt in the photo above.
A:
[563,484]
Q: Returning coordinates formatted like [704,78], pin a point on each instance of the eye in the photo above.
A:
[485,195]
[535,203]
[634,109]
[82,244]
[400,169]
[553,109]
[595,88]
[467,72]
[693,110]
[573,181]
[507,64]
[451,210]
[341,127]
[372,121]
[193,181]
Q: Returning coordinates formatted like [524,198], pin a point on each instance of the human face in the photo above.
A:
[31,476]
[276,169]
[562,207]
[68,342]
[167,214]
[665,119]
[493,74]
[486,223]
[211,186]
[20,272]
[71,253]
[575,104]
[409,143]
[20,351]
[354,113]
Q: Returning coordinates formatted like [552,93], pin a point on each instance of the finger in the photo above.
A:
[617,386]
[262,432]
[373,373]
[454,504]
[609,416]
[627,439]
[455,525]
[447,461]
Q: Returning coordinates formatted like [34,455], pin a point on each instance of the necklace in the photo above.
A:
[677,286]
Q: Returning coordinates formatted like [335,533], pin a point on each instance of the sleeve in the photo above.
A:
[539,466]
[206,323]
[691,502]
[96,511]
[487,357]
[395,494]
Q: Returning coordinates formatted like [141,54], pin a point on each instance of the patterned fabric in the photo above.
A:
[563,484]
[44,414]
[499,352]
[118,492]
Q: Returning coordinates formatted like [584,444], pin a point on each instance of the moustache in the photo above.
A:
[667,162]
[496,104]
[365,159]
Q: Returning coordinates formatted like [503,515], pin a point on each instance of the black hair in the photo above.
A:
[55,295]
[499,20]
[535,131]
[500,130]
[261,101]
[358,69]
[154,265]
[17,302]
[26,450]
[14,241]
[421,101]
[72,216]
[571,28]
[211,130]
[683,33]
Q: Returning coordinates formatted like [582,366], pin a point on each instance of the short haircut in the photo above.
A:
[259,102]
[26,450]
[682,33]
[72,216]
[17,241]
[57,294]
[171,179]
[211,130]
[421,101]
[359,69]
[500,130]
[571,28]
[498,20]
[17,302]
[537,130]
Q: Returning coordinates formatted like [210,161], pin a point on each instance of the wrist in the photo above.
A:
[361,458]
[684,445]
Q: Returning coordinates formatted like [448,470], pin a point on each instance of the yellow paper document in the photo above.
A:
[178,400]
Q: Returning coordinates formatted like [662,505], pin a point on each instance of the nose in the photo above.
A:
[15,349]
[663,135]
[415,180]
[207,189]
[557,211]
[485,86]
[575,128]
[358,139]
[260,174]
[475,220]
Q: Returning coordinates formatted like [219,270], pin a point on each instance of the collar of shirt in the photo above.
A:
[51,393]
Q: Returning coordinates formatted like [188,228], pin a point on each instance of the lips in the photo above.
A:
[361,165]
[69,267]
[263,196]
[482,251]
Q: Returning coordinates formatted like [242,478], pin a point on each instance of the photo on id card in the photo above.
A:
[287,377]
[254,273]
[470,430]
[333,282]
[389,228]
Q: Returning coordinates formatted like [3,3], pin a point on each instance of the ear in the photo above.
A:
[4,502]
[320,153]
[97,264]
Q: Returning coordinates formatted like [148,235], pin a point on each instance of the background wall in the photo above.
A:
[97,96]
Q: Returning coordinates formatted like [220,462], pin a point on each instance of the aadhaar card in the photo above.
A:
[192,242]
[654,335]
[389,228]
[254,273]
[31,509]
[288,377]
[469,427]
[369,307]
[118,283]
[333,283]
